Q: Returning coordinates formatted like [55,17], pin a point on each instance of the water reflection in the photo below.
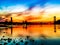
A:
[31,30]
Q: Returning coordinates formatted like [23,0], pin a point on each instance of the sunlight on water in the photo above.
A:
[32,30]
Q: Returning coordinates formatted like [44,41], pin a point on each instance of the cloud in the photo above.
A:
[16,8]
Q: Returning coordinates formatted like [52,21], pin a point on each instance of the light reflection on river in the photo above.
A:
[32,30]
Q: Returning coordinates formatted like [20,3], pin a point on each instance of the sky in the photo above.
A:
[42,10]
[27,4]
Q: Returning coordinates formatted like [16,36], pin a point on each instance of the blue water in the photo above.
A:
[27,41]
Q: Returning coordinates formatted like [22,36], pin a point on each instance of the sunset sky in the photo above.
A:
[30,10]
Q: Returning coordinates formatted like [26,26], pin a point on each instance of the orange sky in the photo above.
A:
[35,15]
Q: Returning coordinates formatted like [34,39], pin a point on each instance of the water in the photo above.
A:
[31,30]
[41,34]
